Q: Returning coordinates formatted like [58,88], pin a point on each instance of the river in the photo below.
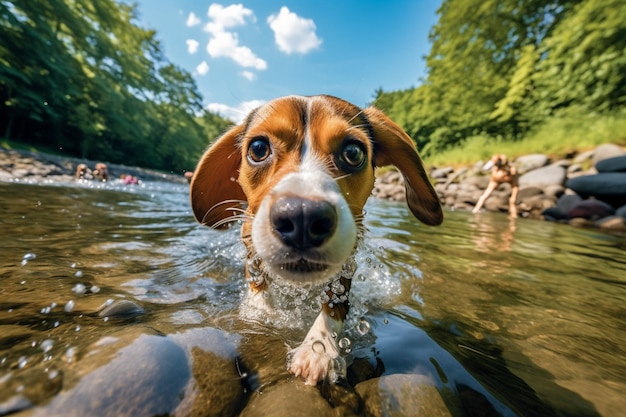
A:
[507,317]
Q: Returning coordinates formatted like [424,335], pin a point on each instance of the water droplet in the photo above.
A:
[318,347]
[78,328]
[344,343]
[79,288]
[386,321]
[69,354]
[95,289]
[69,306]
[363,327]
[22,362]
[29,257]
[78,274]
[46,345]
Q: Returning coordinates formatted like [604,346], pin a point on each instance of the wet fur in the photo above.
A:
[307,136]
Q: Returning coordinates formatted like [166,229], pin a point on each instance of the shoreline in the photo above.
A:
[38,167]
[545,186]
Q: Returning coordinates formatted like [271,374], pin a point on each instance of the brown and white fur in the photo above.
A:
[298,172]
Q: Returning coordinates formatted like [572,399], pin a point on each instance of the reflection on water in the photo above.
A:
[508,316]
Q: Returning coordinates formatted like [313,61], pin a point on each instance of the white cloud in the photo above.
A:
[293,33]
[224,43]
[236,114]
[193,20]
[250,76]
[227,17]
[192,45]
[203,68]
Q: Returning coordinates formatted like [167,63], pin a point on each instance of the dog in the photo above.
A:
[298,172]
[501,172]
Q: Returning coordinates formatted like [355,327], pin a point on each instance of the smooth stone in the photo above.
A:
[606,151]
[567,201]
[527,192]
[591,210]
[611,223]
[527,163]
[125,374]
[122,309]
[607,186]
[615,164]
[402,395]
[543,177]
[553,214]
[292,398]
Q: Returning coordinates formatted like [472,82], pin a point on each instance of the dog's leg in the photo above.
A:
[313,359]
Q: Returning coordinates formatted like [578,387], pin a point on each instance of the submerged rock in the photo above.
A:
[402,395]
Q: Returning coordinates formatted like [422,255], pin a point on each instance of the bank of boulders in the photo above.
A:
[582,188]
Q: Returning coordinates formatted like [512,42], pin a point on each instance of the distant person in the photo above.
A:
[501,172]
[101,173]
[188,175]
[83,172]
[129,179]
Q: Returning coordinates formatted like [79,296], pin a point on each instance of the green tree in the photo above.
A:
[83,77]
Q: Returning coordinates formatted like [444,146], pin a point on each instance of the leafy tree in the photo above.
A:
[82,76]
[584,60]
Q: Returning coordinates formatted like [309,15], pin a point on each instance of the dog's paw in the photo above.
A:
[314,361]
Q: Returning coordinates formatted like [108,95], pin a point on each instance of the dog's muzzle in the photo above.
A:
[303,224]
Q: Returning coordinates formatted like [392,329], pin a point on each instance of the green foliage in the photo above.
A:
[563,133]
[508,69]
[81,76]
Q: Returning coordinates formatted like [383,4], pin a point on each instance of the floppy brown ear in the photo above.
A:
[214,191]
[394,147]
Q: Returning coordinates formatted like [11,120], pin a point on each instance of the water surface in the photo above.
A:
[508,317]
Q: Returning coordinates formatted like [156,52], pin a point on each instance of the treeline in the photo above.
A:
[502,68]
[81,76]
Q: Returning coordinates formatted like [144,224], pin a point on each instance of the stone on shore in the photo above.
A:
[615,164]
[606,186]
[543,177]
[606,151]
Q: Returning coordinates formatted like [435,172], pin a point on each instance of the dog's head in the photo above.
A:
[305,168]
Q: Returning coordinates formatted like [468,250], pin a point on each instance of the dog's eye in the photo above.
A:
[259,150]
[353,154]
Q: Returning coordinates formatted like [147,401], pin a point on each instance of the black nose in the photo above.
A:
[303,224]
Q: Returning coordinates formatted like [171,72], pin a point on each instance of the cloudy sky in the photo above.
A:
[245,53]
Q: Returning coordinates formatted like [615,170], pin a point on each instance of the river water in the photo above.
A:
[508,317]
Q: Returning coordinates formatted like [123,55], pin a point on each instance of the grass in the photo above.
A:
[557,137]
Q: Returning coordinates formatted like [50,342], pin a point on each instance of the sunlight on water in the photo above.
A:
[517,316]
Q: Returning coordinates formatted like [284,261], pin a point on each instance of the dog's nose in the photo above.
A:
[301,223]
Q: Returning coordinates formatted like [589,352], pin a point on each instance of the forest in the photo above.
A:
[502,71]
[82,76]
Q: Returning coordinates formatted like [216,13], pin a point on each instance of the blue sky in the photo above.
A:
[242,54]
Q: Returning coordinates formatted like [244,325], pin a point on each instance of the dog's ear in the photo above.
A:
[392,146]
[214,191]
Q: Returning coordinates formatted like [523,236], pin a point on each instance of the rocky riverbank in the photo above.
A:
[583,189]
[35,167]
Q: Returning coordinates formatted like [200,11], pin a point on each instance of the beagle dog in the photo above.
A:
[298,172]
